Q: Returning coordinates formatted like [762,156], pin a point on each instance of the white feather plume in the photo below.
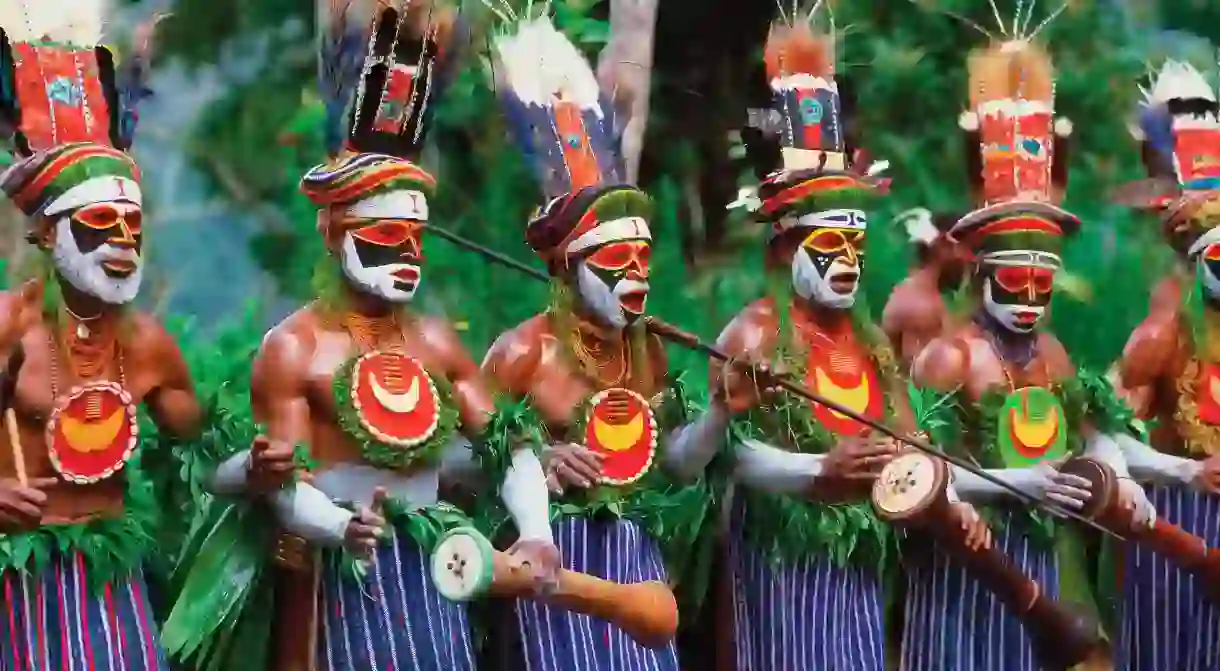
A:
[538,62]
[1181,81]
[75,22]
[919,226]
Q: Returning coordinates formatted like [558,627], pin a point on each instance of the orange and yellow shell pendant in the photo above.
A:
[392,407]
[92,432]
[621,427]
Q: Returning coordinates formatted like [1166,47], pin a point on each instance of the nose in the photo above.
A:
[123,237]
[850,256]
[637,270]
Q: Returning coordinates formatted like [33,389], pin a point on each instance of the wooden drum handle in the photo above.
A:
[645,611]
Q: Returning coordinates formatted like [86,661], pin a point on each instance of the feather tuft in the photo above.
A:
[1179,81]
[1156,127]
[344,42]
[794,50]
[48,21]
[133,76]
[919,225]
[539,63]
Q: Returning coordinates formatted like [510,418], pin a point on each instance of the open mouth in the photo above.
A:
[634,301]
[119,268]
[844,282]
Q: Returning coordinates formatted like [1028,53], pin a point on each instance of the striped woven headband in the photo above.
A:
[360,176]
[43,178]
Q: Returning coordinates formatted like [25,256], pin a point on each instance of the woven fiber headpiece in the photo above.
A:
[565,126]
[382,67]
[1016,151]
[819,169]
[66,112]
[1179,133]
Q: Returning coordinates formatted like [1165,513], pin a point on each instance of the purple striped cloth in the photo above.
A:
[394,620]
[954,624]
[54,621]
[804,614]
[1165,621]
[557,640]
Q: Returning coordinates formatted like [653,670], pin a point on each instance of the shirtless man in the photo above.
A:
[381,397]
[76,513]
[916,313]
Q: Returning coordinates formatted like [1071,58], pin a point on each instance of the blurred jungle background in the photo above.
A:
[235,121]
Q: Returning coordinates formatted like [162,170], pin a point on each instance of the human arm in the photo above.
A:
[172,403]
[278,398]
[736,386]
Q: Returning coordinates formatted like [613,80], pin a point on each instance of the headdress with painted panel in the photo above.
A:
[66,111]
[566,127]
[822,178]
[1179,133]
[382,66]
[1016,151]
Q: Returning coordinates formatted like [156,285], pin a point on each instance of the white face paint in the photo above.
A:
[87,271]
[395,282]
[1211,283]
[604,302]
[1016,317]
[813,286]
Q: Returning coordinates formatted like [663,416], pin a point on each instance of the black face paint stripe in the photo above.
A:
[88,238]
[1002,296]
[373,255]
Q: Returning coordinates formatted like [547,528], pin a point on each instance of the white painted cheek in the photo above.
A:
[599,298]
[812,286]
[379,281]
[1211,283]
[84,271]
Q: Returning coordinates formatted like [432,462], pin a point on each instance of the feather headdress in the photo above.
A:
[67,113]
[565,126]
[382,66]
[820,170]
[1016,150]
[1179,132]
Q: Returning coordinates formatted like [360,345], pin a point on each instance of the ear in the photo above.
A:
[42,233]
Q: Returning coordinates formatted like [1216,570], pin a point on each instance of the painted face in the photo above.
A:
[613,281]
[382,257]
[1017,296]
[97,250]
[826,267]
[1209,266]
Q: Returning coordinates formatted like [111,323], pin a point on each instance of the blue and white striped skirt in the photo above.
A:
[806,614]
[954,624]
[54,621]
[1166,621]
[394,620]
[557,640]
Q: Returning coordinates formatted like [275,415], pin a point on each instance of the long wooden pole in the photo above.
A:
[691,341]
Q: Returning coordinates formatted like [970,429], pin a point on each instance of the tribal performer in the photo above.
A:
[380,396]
[808,554]
[915,313]
[598,381]
[76,515]
[1016,404]
[1172,363]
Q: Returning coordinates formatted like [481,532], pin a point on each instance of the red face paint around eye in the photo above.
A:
[102,216]
[1017,279]
[391,233]
[1212,253]
[621,256]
